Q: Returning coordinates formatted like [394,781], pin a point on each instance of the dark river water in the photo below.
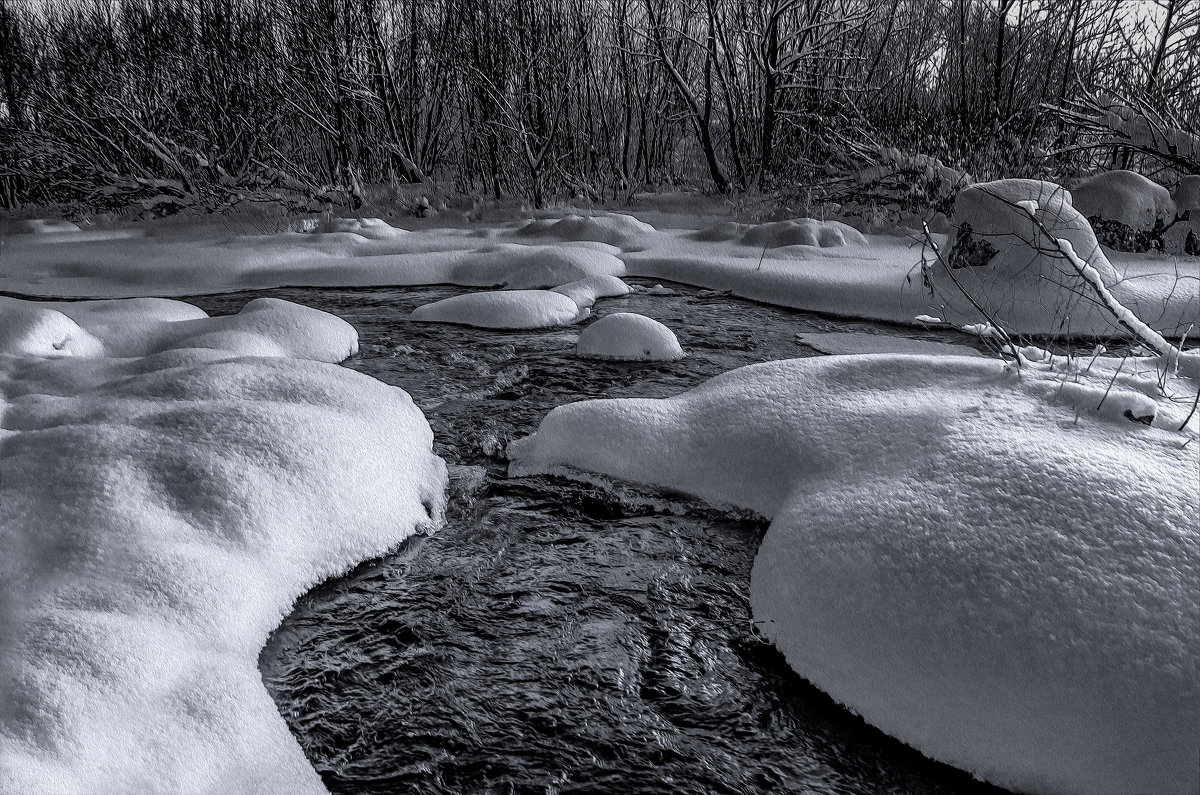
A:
[559,637]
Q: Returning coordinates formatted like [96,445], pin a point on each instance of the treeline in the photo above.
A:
[176,102]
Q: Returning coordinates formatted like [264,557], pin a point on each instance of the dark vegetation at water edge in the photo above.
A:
[171,104]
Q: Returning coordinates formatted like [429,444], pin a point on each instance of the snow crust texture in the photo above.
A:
[988,568]
[161,514]
[629,337]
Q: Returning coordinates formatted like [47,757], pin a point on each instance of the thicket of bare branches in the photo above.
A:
[212,102]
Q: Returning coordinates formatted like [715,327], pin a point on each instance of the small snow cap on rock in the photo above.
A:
[1125,197]
[627,336]
[506,309]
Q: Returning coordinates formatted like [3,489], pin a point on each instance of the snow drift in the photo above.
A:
[161,514]
[982,564]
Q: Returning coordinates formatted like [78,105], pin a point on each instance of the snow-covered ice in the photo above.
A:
[628,336]
[161,514]
[982,563]
[503,309]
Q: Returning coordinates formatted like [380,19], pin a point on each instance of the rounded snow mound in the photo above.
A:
[802,232]
[519,267]
[717,233]
[134,327]
[43,226]
[616,229]
[370,228]
[503,309]
[627,336]
[1125,197]
[971,566]
[1001,258]
[27,329]
[585,292]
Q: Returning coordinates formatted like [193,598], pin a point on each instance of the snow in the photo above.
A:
[525,267]
[43,226]
[140,327]
[875,276]
[975,559]
[503,309]
[627,336]
[842,343]
[161,515]
[1187,194]
[1126,197]
[802,232]
[615,229]
[585,292]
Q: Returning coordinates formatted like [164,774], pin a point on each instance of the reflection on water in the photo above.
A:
[561,637]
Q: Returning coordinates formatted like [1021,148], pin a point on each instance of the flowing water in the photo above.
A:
[554,636]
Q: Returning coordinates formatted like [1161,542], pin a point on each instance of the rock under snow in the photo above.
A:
[802,232]
[142,326]
[518,267]
[43,226]
[1125,197]
[616,229]
[586,292]
[1010,267]
[370,228]
[160,517]
[503,309]
[956,553]
[631,337]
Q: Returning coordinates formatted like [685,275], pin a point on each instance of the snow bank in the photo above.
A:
[586,292]
[629,337]
[616,229]
[802,232]
[506,309]
[161,515]
[142,326]
[527,267]
[964,557]
[1125,197]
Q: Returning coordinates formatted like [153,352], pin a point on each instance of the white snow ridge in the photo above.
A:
[160,516]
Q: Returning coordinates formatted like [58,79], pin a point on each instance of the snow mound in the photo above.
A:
[586,292]
[616,229]
[370,228]
[627,336]
[1009,267]
[505,309]
[143,326]
[519,267]
[802,232]
[841,343]
[1125,197]
[43,226]
[161,515]
[953,554]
